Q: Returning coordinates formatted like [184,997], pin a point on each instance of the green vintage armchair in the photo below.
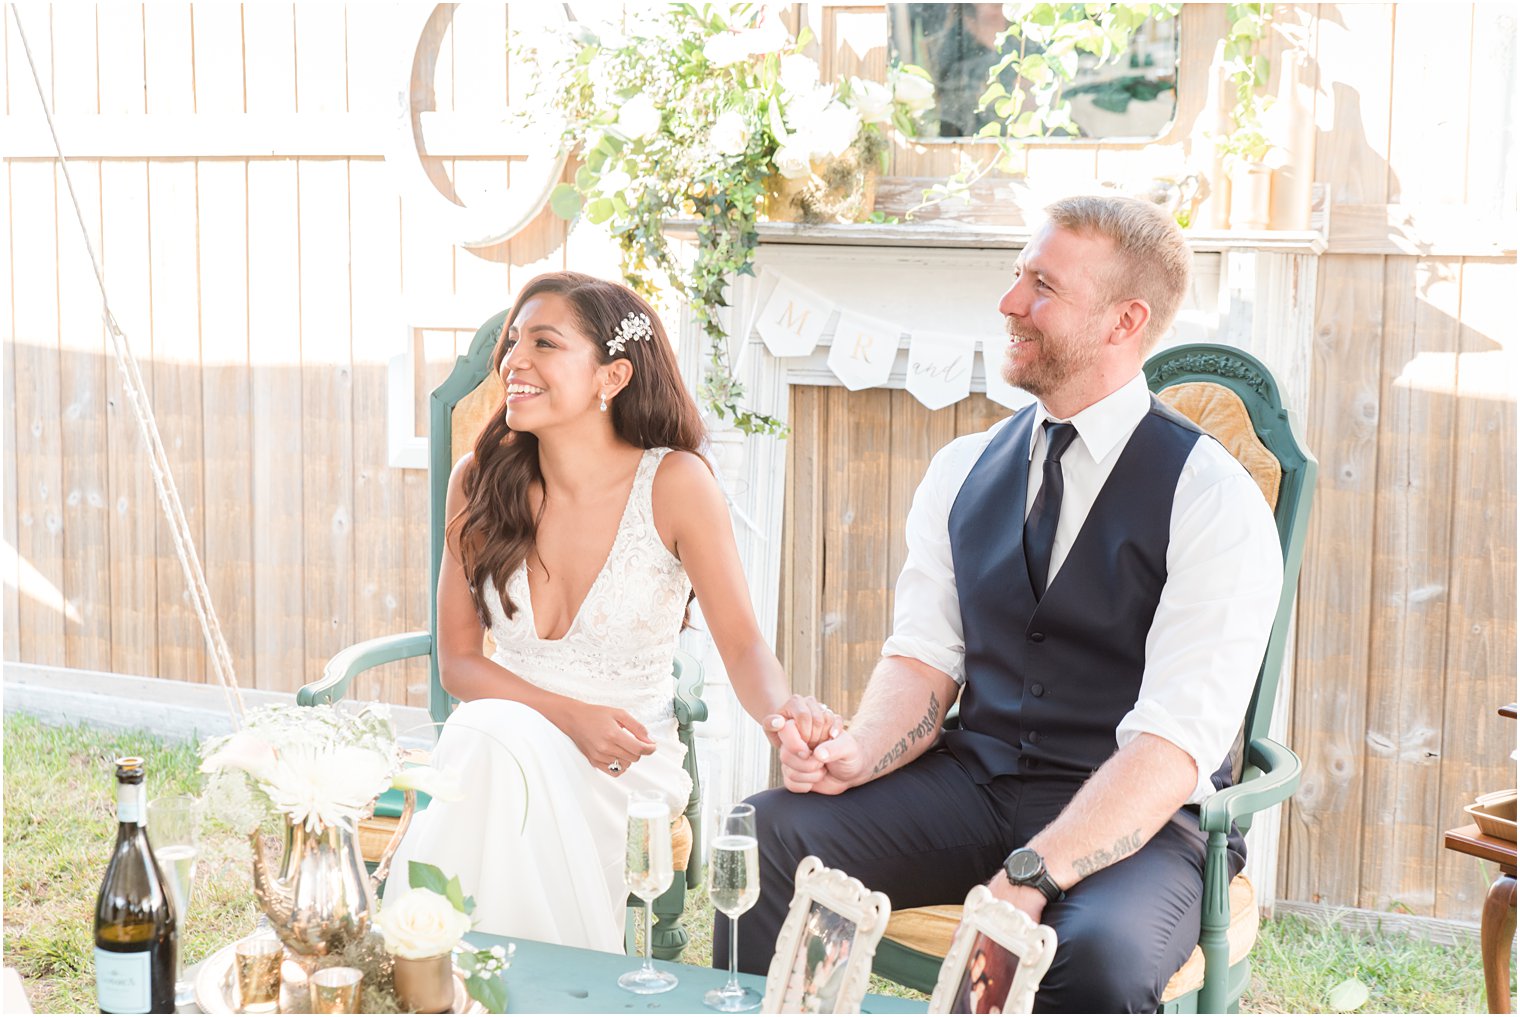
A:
[456,409]
[1234,397]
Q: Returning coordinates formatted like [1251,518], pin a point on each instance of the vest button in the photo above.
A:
[1036,637]
[1037,690]
[1034,738]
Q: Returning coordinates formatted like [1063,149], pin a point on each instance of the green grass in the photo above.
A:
[59,827]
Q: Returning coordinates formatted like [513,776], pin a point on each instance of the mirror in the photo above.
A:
[1132,97]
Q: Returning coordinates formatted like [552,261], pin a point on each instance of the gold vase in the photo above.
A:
[322,898]
[841,189]
[425,985]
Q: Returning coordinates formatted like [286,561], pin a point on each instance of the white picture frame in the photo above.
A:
[822,962]
[1013,953]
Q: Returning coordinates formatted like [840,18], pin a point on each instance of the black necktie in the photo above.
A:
[1040,527]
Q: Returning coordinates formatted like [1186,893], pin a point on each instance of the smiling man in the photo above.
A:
[1095,579]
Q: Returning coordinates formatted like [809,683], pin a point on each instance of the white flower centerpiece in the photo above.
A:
[712,113]
[424,927]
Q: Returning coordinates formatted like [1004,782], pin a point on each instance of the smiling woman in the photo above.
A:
[578,530]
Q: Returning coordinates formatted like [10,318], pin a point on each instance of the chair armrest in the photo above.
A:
[688,703]
[1278,777]
[346,664]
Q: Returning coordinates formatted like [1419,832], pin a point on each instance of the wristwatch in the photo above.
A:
[1025,867]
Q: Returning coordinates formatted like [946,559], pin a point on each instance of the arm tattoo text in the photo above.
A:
[1100,859]
[926,727]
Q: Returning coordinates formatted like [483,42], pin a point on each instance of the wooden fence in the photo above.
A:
[268,273]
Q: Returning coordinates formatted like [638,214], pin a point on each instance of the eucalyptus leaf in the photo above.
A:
[421,875]
[1349,996]
[565,200]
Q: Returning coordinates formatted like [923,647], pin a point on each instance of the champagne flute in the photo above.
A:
[648,869]
[173,830]
[733,883]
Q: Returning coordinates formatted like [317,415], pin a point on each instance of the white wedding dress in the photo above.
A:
[538,839]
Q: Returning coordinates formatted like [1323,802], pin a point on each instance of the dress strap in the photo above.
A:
[643,482]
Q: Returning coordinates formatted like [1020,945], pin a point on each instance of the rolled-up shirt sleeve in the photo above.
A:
[926,616]
[1206,642]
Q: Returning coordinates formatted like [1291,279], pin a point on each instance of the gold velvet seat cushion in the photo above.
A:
[1221,413]
[929,930]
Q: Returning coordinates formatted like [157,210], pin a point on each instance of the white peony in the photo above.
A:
[799,74]
[872,100]
[828,131]
[614,182]
[420,924]
[730,134]
[242,751]
[735,47]
[638,118]
[321,789]
[725,49]
[914,92]
[792,161]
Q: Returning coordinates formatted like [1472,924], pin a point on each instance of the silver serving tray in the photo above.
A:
[216,987]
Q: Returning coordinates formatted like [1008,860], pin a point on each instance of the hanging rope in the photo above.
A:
[147,426]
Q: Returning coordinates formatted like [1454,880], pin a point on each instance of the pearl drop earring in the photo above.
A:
[604,402]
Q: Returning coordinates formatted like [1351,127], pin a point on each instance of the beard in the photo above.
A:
[1049,363]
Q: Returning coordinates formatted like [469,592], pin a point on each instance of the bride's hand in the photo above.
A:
[607,736]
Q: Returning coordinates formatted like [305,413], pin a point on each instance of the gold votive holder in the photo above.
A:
[336,990]
[257,965]
[425,985]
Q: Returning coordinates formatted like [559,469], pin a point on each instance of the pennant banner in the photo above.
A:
[994,355]
[939,368]
[792,319]
[863,351]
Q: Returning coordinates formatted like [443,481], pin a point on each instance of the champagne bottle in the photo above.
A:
[135,942]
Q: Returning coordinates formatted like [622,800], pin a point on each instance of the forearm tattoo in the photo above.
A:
[1100,859]
[925,728]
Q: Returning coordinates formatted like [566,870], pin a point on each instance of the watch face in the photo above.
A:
[1024,864]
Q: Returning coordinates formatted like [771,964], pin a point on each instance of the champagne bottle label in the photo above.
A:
[129,803]
[123,982]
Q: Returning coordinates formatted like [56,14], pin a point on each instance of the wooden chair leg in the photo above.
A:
[1498,935]
[670,937]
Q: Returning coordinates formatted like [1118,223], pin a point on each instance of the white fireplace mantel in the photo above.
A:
[1250,290]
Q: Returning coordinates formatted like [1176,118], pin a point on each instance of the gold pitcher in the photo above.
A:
[322,895]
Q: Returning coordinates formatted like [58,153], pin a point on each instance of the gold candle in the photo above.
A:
[336,990]
[426,985]
[258,973]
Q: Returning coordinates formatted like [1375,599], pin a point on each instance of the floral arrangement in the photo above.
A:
[430,919]
[318,766]
[706,113]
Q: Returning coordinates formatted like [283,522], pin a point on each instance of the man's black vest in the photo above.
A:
[1049,680]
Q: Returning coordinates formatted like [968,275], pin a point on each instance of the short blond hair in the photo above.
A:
[1155,264]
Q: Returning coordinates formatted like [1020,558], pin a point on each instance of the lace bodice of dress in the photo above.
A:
[619,647]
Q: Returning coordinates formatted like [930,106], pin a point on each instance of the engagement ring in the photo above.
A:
[614,767]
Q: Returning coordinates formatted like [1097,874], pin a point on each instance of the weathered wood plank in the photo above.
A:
[226,381]
[1480,637]
[10,565]
[327,451]
[858,486]
[83,364]
[800,619]
[1426,228]
[125,255]
[1355,59]
[274,346]
[1401,822]
[917,433]
[39,478]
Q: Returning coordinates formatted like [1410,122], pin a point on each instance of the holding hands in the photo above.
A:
[816,753]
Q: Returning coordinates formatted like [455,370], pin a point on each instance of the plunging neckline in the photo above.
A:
[617,538]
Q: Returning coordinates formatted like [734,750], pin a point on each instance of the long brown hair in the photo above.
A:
[497,527]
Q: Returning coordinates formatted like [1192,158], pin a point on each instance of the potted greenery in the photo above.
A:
[680,112]
[1246,147]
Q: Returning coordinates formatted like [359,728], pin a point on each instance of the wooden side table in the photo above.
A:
[1498,928]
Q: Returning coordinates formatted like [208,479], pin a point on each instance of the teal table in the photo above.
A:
[564,979]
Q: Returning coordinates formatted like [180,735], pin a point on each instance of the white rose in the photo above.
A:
[914,92]
[872,100]
[725,49]
[419,924]
[830,131]
[242,751]
[614,182]
[638,118]
[730,134]
[792,161]
[799,74]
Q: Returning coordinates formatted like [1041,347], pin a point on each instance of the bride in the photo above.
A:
[577,531]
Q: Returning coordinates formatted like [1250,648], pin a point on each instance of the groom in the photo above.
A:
[1095,579]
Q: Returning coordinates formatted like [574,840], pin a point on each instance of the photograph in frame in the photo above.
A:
[822,962]
[996,959]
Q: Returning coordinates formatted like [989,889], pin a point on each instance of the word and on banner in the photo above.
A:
[794,318]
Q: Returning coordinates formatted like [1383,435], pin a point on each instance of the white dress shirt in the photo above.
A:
[1224,576]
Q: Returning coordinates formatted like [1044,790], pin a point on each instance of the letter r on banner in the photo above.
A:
[863,352]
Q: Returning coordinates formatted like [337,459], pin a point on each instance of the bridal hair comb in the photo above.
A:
[633,328]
